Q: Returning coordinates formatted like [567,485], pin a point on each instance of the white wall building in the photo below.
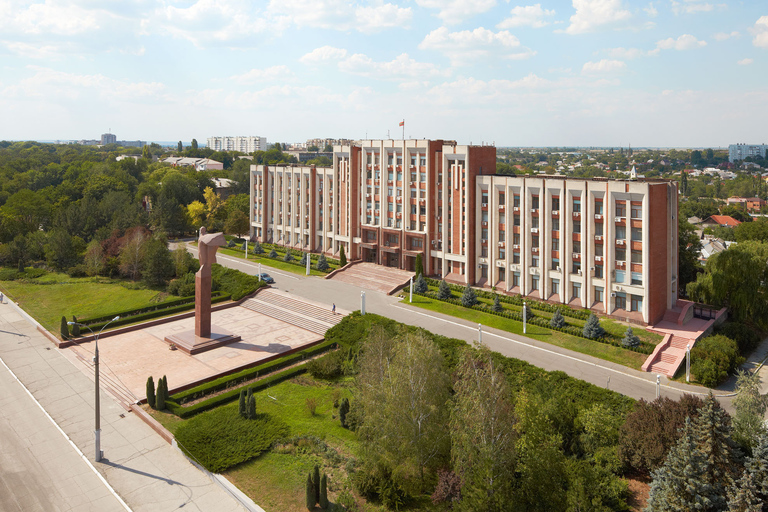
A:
[239,143]
[742,151]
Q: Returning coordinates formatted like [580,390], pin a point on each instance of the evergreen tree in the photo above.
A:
[316,482]
[630,340]
[310,493]
[342,256]
[257,248]
[64,328]
[251,407]
[592,328]
[444,291]
[303,260]
[151,392]
[557,321]
[343,411]
[323,501]
[288,255]
[194,143]
[757,467]
[160,398]
[750,408]
[419,265]
[273,253]
[528,311]
[241,404]
[744,496]
[248,399]
[496,304]
[468,298]
[75,327]
[420,285]
[322,263]
[179,147]
[165,388]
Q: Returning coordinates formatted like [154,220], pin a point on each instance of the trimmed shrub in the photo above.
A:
[343,411]
[241,406]
[342,256]
[273,253]
[593,329]
[496,307]
[221,439]
[151,392]
[288,256]
[713,358]
[322,263]
[323,501]
[303,260]
[165,388]
[310,493]
[630,340]
[160,398]
[75,327]
[327,366]
[468,298]
[557,321]
[316,482]
[257,248]
[419,266]
[64,328]
[444,291]
[251,407]
[420,285]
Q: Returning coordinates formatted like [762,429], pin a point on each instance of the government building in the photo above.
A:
[604,244]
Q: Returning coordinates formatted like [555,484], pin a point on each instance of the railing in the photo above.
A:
[704,312]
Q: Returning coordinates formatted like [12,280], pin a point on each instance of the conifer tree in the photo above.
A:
[64,328]
[75,327]
[419,265]
[342,256]
[241,404]
[322,263]
[420,285]
[557,321]
[744,496]
[323,501]
[288,255]
[151,392]
[273,253]
[257,248]
[248,399]
[750,407]
[160,398]
[316,482]
[497,304]
[630,340]
[310,493]
[303,260]
[592,328]
[251,407]
[166,396]
[468,298]
[343,411]
[444,291]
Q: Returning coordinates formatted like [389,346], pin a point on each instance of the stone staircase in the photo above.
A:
[373,277]
[668,355]
[284,307]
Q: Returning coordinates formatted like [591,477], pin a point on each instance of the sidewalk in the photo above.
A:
[145,471]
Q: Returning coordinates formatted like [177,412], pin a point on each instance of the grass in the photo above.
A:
[274,263]
[54,295]
[603,351]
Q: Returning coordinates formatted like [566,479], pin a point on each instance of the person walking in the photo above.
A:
[333,309]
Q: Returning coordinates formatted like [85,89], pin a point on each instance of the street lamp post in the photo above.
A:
[410,289]
[97,428]
[688,363]
[524,316]
[479,334]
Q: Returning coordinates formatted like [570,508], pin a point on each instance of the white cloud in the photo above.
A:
[468,45]
[691,6]
[254,76]
[722,36]
[323,54]
[341,14]
[745,62]
[603,66]
[593,14]
[761,32]
[626,53]
[651,10]
[684,42]
[50,18]
[401,67]
[456,11]
[528,16]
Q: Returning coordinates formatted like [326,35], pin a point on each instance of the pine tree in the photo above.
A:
[750,408]
[251,407]
[241,404]
[557,321]
[323,501]
[419,265]
[310,493]
[322,263]
[273,253]
[64,328]
[316,482]
[343,411]
[75,327]
[342,256]
[248,399]
[497,304]
[303,260]
[444,291]
[151,392]
[420,285]
[288,255]
[468,298]
[160,398]
[257,248]
[592,328]
[744,495]
[165,388]
[630,340]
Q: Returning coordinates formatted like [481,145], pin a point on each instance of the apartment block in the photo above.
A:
[582,242]
[240,143]
[742,151]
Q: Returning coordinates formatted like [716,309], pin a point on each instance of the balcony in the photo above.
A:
[555,214]
[576,215]
[621,243]
[534,230]
[622,265]
[598,216]
[599,238]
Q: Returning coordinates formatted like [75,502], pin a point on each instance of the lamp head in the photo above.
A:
[70,323]
[116,318]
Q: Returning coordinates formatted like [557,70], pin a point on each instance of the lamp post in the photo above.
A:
[524,316]
[97,428]
[479,334]
[410,289]
[362,303]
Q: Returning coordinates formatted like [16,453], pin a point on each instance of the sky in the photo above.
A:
[666,73]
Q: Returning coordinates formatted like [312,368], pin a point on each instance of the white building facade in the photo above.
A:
[742,151]
[241,143]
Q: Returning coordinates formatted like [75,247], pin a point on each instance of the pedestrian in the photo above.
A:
[1,297]
[333,309]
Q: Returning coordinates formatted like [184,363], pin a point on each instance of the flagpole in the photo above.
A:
[403,125]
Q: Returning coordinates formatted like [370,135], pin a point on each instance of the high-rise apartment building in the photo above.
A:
[606,245]
[108,138]
[742,151]
[241,144]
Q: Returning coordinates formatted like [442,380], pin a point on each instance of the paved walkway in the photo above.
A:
[373,277]
[145,471]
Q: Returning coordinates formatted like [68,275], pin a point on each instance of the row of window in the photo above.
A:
[636,208]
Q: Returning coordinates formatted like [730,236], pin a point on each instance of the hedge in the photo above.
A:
[154,307]
[235,379]
[233,394]
[282,250]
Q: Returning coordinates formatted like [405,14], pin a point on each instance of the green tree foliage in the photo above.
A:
[151,392]
[303,260]
[316,482]
[420,285]
[557,321]
[323,501]
[496,304]
[251,408]
[194,144]
[64,330]
[62,249]
[713,359]
[75,327]
[132,252]
[257,248]
[157,265]
[237,223]
[342,256]
[444,291]
[483,433]
[630,340]
[750,406]
[160,397]
[322,263]
[273,253]
[179,147]
[750,492]
[343,411]
[242,408]
[757,230]
[288,255]
[310,496]
[419,265]
[688,249]
[737,278]
[469,297]
[592,328]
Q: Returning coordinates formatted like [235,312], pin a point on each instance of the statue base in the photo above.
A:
[192,344]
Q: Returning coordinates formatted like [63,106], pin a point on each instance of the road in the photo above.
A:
[633,383]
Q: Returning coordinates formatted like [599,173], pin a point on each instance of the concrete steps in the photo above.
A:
[373,277]
[310,317]
[669,359]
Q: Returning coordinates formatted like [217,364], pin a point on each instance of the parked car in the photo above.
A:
[266,278]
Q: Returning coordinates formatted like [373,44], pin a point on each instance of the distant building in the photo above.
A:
[241,143]
[223,187]
[200,164]
[750,204]
[725,221]
[742,151]
[108,138]
[304,156]
[322,143]
[132,143]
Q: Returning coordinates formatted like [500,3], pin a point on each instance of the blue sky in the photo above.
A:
[679,73]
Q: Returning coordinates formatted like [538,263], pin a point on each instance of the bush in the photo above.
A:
[420,285]
[151,392]
[593,329]
[557,321]
[323,501]
[713,358]
[327,366]
[160,398]
[75,327]
[64,329]
[183,286]
[630,340]
[468,298]
[288,256]
[342,256]
[444,291]
[311,405]
[77,271]
[233,282]
[322,263]
[343,411]
[257,248]
[221,439]
[745,337]
[273,253]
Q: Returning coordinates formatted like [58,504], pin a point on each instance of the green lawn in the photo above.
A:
[274,263]
[601,350]
[49,297]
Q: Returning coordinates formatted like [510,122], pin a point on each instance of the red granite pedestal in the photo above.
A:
[191,343]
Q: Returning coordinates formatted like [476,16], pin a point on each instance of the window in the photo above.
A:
[484,271]
[413,209]
[637,234]
[576,290]
[423,161]
[599,229]
[621,209]
[637,210]
[576,205]
[501,198]
[599,271]
[399,175]
[390,159]
[502,236]
[636,302]
[399,208]
[599,294]
[485,197]
[555,244]
[391,175]
[413,160]
[501,253]
[535,261]
[515,278]
[484,216]
[502,219]
[535,283]
[502,275]
[535,241]
[577,247]
[399,159]
[555,203]
[619,276]
[535,222]
[392,239]
[637,256]
[413,176]
[484,234]
[598,207]
[516,200]
[516,238]
[576,267]
[637,278]
[484,251]
[577,227]
[555,264]
[389,222]
[515,257]
[515,220]
[621,254]
[555,286]
[535,202]
[621,232]
[621,301]
[390,207]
